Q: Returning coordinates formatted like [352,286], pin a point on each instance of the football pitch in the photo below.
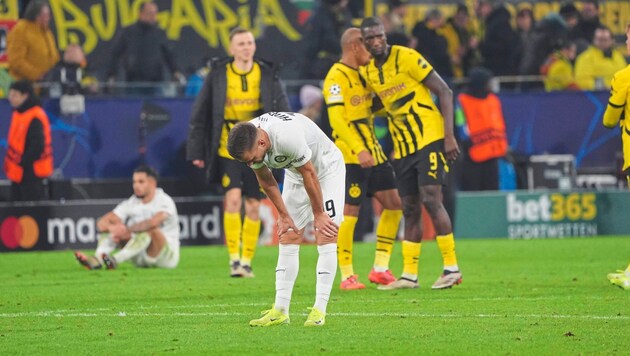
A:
[518,297]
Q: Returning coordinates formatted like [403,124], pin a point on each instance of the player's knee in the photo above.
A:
[324,239]
[290,238]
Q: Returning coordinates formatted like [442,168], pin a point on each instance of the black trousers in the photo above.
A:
[32,189]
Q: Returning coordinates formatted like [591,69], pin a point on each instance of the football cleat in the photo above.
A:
[236,270]
[352,283]
[617,275]
[402,283]
[315,318]
[622,282]
[383,278]
[247,271]
[89,262]
[271,317]
[447,280]
[109,261]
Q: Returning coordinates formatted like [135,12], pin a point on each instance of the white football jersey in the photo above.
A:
[295,140]
[133,210]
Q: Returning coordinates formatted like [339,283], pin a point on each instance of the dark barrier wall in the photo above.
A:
[110,139]
[54,226]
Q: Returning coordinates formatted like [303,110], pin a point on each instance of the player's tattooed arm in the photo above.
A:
[148,224]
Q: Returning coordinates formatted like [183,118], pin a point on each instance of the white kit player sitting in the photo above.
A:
[314,186]
[145,227]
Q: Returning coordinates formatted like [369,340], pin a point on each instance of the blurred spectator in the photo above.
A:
[499,44]
[548,33]
[312,101]
[582,34]
[524,30]
[321,37]
[432,44]
[145,50]
[595,67]
[558,68]
[29,159]
[194,82]
[70,74]
[462,45]
[393,22]
[31,47]
[481,127]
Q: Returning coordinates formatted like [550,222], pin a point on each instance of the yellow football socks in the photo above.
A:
[232,227]
[386,232]
[344,245]
[251,231]
[411,254]
[446,244]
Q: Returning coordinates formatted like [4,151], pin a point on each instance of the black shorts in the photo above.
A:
[425,167]
[362,182]
[235,174]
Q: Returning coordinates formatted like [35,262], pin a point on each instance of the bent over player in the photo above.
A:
[313,191]
[145,227]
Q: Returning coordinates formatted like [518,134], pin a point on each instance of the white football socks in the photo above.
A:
[138,243]
[326,269]
[105,245]
[286,273]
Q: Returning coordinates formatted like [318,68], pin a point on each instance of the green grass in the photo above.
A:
[518,297]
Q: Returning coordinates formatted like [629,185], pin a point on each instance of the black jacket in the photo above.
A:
[208,110]
[500,45]
[145,49]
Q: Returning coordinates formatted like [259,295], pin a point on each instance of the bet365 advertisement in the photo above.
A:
[517,215]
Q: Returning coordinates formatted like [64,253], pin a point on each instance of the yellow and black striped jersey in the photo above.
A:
[349,110]
[618,110]
[242,101]
[414,119]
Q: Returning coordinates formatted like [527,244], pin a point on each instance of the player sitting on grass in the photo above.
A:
[145,226]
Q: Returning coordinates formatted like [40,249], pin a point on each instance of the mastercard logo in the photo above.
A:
[19,232]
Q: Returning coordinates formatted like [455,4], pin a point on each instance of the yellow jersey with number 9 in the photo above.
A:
[413,118]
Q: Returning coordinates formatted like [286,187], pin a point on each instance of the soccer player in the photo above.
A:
[145,226]
[368,173]
[313,190]
[618,110]
[423,142]
[237,89]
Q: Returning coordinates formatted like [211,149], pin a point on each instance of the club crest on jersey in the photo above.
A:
[354,191]
[280,159]
[225,181]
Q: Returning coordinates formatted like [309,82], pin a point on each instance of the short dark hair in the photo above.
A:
[594,2]
[23,86]
[34,8]
[371,22]
[568,10]
[242,138]
[237,31]
[148,170]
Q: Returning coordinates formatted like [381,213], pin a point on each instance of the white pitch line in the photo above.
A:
[88,314]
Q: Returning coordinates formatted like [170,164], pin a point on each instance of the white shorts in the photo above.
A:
[299,204]
[168,258]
